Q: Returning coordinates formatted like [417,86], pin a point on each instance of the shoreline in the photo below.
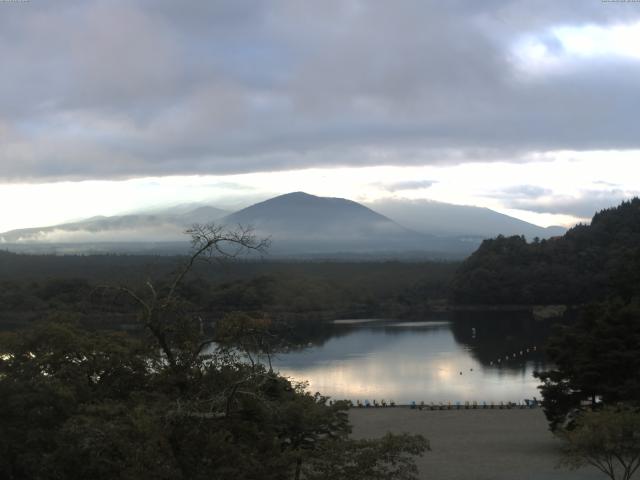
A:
[442,406]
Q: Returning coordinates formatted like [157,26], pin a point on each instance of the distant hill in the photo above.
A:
[444,219]
[162,226]
[298,222]
[588,263]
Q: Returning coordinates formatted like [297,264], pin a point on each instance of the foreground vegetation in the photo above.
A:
[100,405]
[171,403]
[607,439]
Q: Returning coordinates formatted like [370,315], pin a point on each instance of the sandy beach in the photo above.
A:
[475,444]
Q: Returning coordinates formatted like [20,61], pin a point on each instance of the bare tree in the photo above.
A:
[210,242]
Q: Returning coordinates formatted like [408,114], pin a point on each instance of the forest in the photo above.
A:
[590,262]
[33,286]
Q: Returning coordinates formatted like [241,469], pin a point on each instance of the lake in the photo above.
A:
[462,357]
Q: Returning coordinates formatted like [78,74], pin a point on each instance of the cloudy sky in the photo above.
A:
[110,106]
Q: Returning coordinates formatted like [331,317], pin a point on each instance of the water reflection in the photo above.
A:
[444,360]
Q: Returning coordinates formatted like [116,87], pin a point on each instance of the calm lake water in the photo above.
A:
[466,357]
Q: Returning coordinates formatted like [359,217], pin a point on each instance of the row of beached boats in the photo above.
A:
[473,405]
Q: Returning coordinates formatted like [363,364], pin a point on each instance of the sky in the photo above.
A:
[112,106]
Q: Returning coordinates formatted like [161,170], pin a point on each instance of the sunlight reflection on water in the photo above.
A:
[417,361]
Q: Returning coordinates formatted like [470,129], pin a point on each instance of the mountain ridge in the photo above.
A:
[298,222]
[448,219]
[149,226]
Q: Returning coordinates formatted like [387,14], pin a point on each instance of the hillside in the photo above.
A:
[160,226]
[588,263]
[445,219]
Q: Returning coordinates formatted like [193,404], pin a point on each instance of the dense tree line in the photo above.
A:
[589,262]
[288,290]
[591,396]
[596,361]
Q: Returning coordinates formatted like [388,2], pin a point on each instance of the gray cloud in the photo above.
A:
[520,192]
[98,89]
[407,185]
[607,184]
[583,205]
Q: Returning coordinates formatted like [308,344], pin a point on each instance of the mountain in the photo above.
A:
[305,215]
[588,263]
[161,226]
[302,223]
[445,219]
[298,224]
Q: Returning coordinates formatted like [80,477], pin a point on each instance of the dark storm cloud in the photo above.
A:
[94,89]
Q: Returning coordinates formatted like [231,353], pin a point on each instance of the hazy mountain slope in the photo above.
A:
[458,220]
[304,214]
[299,222]
[202,214]
[156,227]
[179,209]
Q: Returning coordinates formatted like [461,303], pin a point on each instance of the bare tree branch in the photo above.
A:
[209,240]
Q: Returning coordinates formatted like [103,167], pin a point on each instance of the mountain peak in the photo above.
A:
[296,194]
[301,196]
[305,208]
